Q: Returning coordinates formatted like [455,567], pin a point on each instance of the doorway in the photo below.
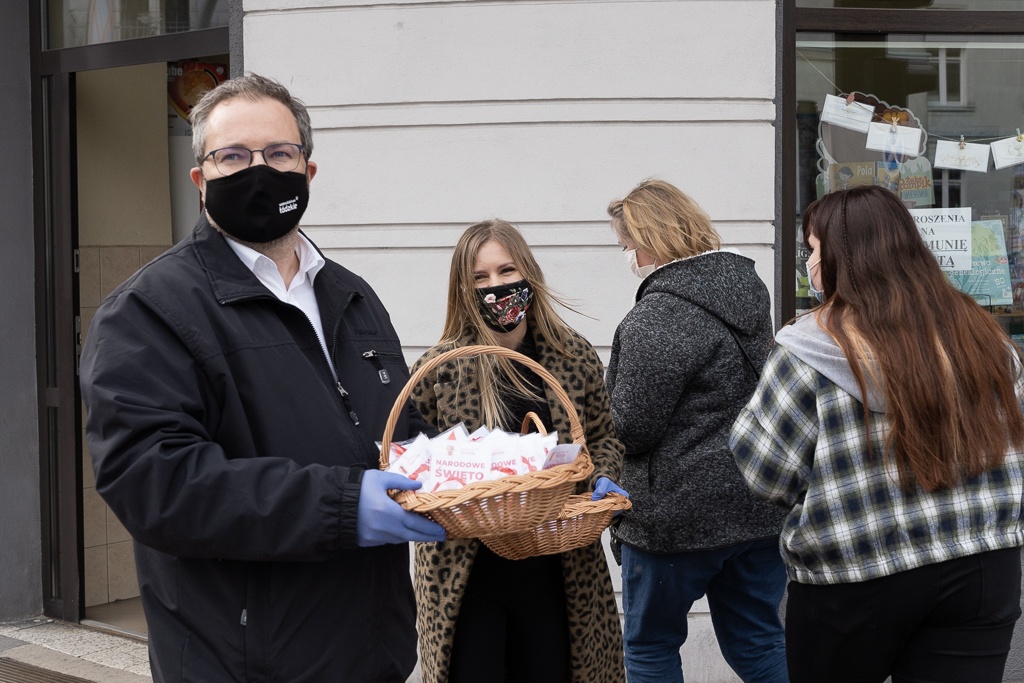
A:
[134,200]
[83,175]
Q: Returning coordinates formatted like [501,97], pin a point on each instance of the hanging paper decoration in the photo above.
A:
[846,158]
[1008,151]
[962,156]
[855,116]
[896,142]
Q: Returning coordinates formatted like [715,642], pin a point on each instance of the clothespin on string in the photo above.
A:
[963,145]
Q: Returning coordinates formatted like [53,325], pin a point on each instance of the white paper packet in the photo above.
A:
[562,454]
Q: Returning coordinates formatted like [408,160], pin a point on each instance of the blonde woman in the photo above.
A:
[481,617]
[684,362]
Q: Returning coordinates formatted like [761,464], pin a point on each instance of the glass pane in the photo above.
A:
[940,89]
[978,5]
[88,22]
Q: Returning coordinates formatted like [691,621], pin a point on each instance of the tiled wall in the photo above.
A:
[109,559]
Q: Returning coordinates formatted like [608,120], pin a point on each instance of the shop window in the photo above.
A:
[937,118]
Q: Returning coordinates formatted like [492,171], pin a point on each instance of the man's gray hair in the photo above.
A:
[254,87]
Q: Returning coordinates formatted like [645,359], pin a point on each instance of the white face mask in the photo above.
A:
[816,293]
[640,271]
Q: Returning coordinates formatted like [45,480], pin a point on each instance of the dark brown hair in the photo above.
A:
[945,367]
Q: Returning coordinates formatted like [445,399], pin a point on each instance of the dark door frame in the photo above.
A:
[860,21]
[59,334]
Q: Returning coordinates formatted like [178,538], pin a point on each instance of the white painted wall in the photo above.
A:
[430,116]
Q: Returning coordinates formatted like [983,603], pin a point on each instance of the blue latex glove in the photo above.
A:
[604,486]
[380,520]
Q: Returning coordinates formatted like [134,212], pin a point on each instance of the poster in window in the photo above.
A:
[852,174]
[916,187]
[947,233]
[988,280]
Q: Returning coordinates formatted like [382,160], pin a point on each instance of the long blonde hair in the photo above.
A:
[664,222]
[463,318]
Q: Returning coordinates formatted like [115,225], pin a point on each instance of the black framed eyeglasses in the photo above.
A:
[284,156]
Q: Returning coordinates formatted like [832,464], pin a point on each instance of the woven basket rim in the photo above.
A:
[581,504]
[580,523]
[512,484]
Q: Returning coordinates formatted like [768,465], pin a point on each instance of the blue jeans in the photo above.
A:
[744,584]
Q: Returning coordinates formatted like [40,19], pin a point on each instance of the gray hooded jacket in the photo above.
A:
[684,361]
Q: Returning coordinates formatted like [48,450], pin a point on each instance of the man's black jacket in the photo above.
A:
[222,440]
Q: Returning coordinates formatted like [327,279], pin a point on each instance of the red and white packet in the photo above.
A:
[411,458]
[503,451]
[456,460]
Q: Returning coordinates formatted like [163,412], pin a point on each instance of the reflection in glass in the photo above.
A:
[950,86]
[88,22]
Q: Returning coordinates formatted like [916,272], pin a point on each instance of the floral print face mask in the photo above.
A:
[504,307]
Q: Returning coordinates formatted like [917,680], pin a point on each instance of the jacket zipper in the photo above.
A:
[332,352]
[374,357]
[348,405]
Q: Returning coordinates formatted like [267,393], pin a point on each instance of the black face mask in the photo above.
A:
[258,204]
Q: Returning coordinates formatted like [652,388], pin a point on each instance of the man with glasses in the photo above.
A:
[234,396]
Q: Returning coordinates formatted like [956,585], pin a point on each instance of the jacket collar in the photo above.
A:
[232,281]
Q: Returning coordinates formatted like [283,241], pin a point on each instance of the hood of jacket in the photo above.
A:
[806,340]
[725,284]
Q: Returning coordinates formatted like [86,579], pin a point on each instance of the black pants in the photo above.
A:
[949,622]
[513,624]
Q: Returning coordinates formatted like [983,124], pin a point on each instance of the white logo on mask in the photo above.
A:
[290,205]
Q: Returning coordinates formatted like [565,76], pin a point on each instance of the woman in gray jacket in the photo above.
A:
[684,362]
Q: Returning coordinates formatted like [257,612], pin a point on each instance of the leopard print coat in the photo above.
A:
[442,569]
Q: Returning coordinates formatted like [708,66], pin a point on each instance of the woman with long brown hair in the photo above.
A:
[889,422]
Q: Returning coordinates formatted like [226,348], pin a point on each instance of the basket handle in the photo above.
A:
[532,418]
[575,428]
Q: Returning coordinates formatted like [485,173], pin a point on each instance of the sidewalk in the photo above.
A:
[88,653]
[80,651]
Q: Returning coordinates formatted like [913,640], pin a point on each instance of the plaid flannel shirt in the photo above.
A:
[801,443]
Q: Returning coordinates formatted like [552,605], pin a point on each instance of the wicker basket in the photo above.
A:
[579,524]
[513,503]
